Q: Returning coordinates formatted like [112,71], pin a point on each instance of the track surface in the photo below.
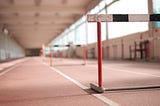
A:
[34,83]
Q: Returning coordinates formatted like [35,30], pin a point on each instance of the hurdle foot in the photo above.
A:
[96,88]
[83,64]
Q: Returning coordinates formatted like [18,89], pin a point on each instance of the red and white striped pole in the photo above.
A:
[99,42]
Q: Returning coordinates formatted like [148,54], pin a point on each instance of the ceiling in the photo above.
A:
[36,22]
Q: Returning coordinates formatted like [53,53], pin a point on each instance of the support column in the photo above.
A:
[150,11]
[151,28]
[84,54]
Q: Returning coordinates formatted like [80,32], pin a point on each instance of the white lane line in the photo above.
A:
[12,67]
[141,73]
[98,96]
[124,70]
[9,69]
[106,100]
[69,78]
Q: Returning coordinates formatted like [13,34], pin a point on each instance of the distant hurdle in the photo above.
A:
[114,18]
[65,45]
[61,54]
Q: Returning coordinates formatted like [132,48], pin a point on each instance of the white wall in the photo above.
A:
[9,48]
[115,46]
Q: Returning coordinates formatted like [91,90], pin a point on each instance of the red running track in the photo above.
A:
[34,84]
[118,74]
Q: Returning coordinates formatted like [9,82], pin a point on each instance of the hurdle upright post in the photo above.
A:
[61,55]
[98,88]
[99,44]
[84,55]
[51,56]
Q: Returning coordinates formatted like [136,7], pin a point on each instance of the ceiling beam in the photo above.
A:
[30,32]
[16,22]
[37,2]
[45,14]
[92,4]
[37,25]
[37,19]
[11,2]
[34,19]
[50,9]
[34,23]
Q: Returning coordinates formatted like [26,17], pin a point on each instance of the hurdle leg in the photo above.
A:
[135,50]
[84,55]
[61,55]
[99,88]
[51,56]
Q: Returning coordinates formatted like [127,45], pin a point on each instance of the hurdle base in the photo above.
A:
[83,64]
[96,88]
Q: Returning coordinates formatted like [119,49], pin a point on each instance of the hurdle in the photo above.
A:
[61,54]
[51,55]
[98,18]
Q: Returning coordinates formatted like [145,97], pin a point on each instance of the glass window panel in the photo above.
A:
[81,34]
[156,10]
[92,32]
[127,7]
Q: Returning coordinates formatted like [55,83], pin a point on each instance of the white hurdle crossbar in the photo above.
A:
[123,17]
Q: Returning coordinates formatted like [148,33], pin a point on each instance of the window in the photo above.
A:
[127,7]
[78,30]
[81,34]
[156,9]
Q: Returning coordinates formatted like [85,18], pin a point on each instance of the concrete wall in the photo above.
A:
[118,48]
[9,48]
[33,52]
[156,45]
